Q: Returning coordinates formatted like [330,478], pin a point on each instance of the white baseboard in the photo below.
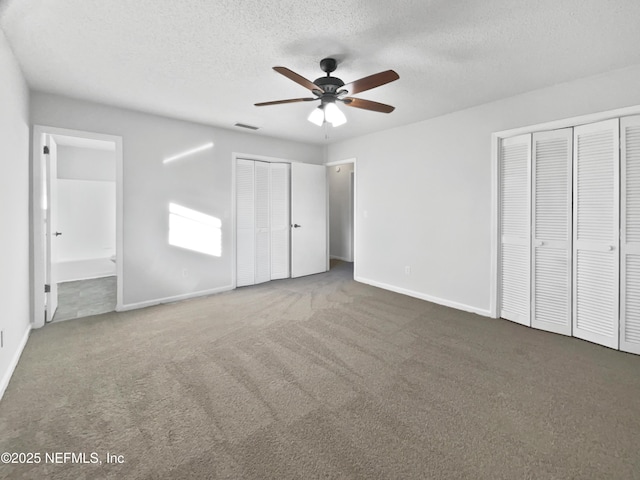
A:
[176,298]
[344,259]
[423,296]
[14,362]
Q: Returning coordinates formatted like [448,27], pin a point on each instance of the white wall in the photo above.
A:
[86,204]
[154,270]
[14,212]
[340,205]
[426,188]
[87,219]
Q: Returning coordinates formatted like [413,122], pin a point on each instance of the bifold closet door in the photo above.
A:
[245,223]
[263,222]
[515,220]
[630,235]
[551,231]
[280,220]
[596,260]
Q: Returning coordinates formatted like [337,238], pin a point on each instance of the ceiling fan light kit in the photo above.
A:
[330,90]
[317,116]
[334,115]
[329,113]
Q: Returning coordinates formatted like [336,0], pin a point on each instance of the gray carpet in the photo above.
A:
[320,377]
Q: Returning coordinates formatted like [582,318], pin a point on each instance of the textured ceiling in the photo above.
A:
[210,61]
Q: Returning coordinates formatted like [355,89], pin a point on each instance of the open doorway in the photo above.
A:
[341,186]
[77,224]
[85,259]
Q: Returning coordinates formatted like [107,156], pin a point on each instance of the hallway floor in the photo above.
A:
[82,298]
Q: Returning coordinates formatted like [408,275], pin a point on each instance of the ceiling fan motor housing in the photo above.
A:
[329,84]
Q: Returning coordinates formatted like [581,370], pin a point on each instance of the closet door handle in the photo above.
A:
[539,243]
[295,225]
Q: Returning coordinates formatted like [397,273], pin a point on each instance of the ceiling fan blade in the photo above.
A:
[299,79]
[290,100]
[368,105]
[372,81]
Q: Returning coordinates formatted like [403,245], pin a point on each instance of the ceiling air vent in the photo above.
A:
[244,125]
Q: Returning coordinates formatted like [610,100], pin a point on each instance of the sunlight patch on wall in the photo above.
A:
[188,153]
[194,230]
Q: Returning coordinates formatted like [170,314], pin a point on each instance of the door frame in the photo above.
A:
[354,219]
[37,233]
[496,138]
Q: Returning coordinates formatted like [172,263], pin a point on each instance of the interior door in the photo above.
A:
[51,176]
[246,224]
[596,218]
[515,225]
[630,235]
[280,221]
[551,231]
[308,219]
[263,217]
[352,215]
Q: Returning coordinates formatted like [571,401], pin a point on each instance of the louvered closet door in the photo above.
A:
[551,231]
[515,185]
[595,233]
[245,223]
[263,229]
[630,235]
[280,224]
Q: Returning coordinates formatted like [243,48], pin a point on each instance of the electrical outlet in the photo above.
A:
[407,270]
[185,273]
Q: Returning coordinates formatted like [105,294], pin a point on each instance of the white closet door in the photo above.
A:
[596,212]
[263,233]
[280,224]
[245,223]
[515,220]
[630,236]
[551,231]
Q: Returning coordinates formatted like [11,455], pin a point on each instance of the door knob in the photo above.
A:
[295,225]
[57,234]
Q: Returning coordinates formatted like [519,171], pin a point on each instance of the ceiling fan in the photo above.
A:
[330,90]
